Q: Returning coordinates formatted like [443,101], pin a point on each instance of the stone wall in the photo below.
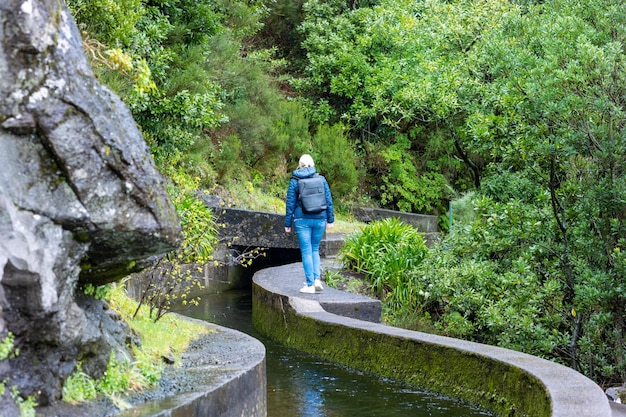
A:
[427,225]
[254,228]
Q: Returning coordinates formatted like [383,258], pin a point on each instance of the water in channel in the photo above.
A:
[301,385]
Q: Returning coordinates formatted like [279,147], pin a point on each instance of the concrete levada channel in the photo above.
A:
[302,385]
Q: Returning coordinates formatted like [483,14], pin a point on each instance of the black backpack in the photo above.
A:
[311,194]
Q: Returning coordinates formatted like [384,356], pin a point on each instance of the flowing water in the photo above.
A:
[302,385]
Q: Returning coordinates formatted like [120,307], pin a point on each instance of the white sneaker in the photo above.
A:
[318,285]
[308,290]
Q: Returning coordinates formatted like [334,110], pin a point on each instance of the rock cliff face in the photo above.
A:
[80,202]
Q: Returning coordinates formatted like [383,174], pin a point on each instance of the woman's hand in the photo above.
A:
[330,225]
[287,229]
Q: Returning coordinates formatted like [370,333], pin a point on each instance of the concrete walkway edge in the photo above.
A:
[225,377]
[504,381]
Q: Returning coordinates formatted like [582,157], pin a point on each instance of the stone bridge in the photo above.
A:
[247,229]
[242,231]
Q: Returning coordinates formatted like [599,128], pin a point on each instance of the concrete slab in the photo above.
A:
[617,409]
[291,279]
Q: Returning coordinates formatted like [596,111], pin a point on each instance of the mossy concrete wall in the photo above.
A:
[506,382]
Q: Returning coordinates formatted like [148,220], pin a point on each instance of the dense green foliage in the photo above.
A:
[530,98]
[398,74]
[170,282]
[207,101]
[408,105]
[383,252]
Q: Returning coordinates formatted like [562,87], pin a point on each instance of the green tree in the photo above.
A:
[405,187]
[336,159]
[400,67]
[553,111]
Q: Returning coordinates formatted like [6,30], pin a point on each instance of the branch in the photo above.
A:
[473,167]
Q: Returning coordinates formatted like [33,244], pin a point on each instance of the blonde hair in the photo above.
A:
[306,161]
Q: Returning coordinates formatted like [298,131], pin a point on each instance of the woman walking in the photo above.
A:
[310,210]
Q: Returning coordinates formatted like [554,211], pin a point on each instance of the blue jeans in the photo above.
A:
[310,233]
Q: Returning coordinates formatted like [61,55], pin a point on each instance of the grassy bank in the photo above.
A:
[166,338]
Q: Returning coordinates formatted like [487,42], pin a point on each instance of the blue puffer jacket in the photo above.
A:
[294,210]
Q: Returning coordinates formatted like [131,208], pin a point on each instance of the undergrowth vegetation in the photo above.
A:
[167,337]
[383,251]
[170,281]
[490,280]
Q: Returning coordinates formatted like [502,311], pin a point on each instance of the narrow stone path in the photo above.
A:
[618,410]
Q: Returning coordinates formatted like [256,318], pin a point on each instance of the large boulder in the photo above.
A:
[80,202]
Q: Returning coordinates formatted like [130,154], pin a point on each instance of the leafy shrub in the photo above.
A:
[168,282]
[385,251]
[113,22]
[175,123]
[79,387]
[336,159]
[406,188]
[492,281]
